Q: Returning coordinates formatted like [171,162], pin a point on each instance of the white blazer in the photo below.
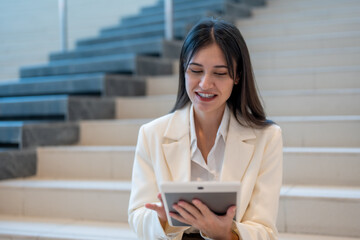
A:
[252,157]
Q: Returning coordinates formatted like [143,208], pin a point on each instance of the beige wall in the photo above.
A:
[29,29]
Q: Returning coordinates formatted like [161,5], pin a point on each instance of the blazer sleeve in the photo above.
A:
[259,220]
[144,189]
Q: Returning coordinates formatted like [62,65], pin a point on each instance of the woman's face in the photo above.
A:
[207,80]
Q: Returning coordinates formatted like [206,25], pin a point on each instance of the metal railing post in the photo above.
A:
[63,24]
[168,20]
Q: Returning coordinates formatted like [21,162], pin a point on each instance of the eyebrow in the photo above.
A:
[216,66]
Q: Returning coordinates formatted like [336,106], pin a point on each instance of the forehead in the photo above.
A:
[210,55]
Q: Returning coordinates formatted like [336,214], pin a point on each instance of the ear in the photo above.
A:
[237,80]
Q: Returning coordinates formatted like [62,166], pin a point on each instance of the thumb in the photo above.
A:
[231,212]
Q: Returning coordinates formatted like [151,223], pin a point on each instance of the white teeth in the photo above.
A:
[205,95]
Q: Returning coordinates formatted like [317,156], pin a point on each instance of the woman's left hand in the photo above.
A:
[201,217]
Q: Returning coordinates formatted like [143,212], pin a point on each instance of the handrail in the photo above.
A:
[168,20]
[63,24]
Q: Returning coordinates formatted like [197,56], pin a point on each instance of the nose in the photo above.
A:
[206,82]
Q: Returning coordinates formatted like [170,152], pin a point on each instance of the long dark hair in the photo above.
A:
[244,100]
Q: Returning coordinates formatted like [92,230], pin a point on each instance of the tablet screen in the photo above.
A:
[218,196]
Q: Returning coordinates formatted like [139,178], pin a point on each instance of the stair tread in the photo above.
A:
[63,228]
[338,192]
[40,228]
[70,184]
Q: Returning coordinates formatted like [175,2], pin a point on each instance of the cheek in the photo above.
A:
[187,85]
[227,89]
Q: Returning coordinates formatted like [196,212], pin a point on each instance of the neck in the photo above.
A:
[208,122]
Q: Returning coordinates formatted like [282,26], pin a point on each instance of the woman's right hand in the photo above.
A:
[159,209]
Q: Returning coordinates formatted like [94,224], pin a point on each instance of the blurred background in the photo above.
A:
[78,78]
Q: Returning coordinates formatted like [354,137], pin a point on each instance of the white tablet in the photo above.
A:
[218,196]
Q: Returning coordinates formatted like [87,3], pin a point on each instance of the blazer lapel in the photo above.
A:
[238,152]
[176,146]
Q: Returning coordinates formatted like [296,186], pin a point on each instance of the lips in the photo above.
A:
[205,96]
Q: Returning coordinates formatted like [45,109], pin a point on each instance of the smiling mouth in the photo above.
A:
[206,95]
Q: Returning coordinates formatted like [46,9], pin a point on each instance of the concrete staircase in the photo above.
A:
[306,58]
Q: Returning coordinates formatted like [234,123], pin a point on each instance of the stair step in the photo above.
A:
[319,131]
[16,164]
[322,166]
[81,84]
[84,162]
[276,79]
[294,236]
[32,228]
[313,210]
[281,7]
[319,166]
[144,107]
[146,46]
[101,133]
[74,199]
[56,107]
[184,6]
[303,42]
[225,7]
[277,103]
[308,78]
[297,29]
[28,134]
[178,15]
[320,210]
[309,58]
[120,63]
[181,28]
[19,228]
[314,14]
[179,32]
[162,85]
[300,131]
[311,102]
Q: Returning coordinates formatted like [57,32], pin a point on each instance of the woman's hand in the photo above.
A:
[159,209]
[201,217]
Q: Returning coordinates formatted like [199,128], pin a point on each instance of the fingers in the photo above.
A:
[202,207]
[153,207]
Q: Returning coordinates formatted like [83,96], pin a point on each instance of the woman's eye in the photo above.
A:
[195,71]
[220,73]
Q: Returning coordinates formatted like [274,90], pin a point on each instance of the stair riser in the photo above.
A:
[112,38]
[310,15]
[284,44]
[334,217]
[150,48]
[299,214]
[178,16]
[169,85]
[109,133]
[101,205]
[61,107]
[307,61]
[178,7]
[336,169]
[315,80]
[118,64]
[312,105]
[301,29]
[299,7]
[291,105]
[85,164]
[318,133]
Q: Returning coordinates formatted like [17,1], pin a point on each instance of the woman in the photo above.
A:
[217,131]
